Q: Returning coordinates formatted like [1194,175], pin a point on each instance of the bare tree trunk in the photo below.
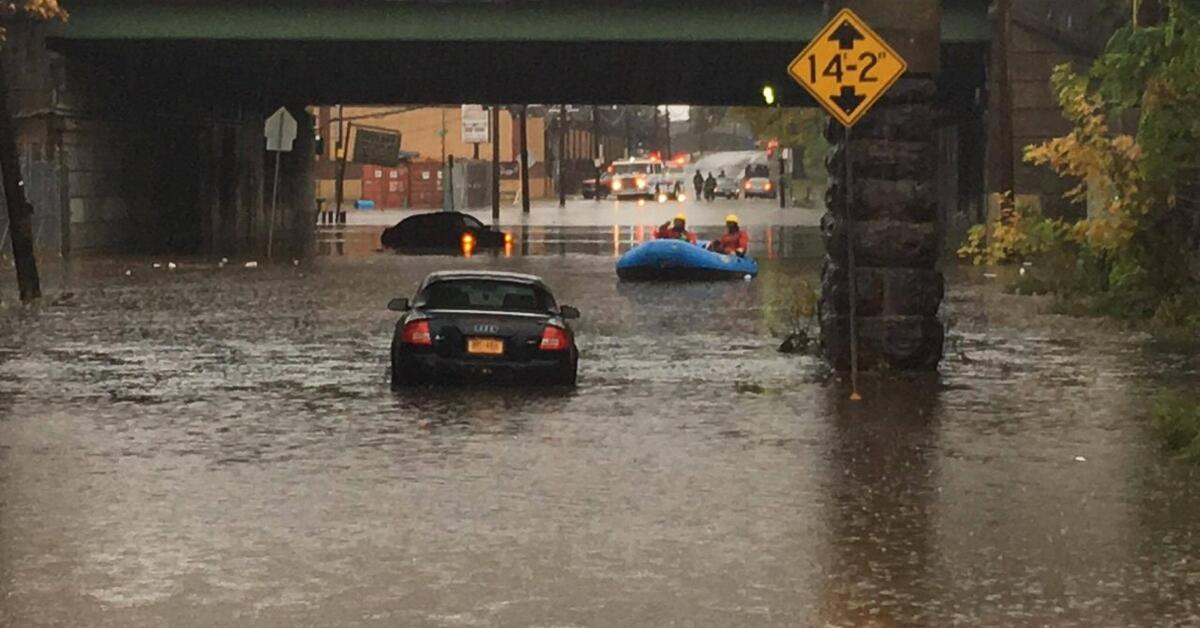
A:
[20,212]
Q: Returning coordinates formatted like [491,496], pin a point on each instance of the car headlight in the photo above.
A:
[616,184]
[641,183]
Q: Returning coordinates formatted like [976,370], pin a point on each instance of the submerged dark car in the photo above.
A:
[483,325]
[442,231]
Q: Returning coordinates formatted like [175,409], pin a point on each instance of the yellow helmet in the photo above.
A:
[731,218]
[681,216]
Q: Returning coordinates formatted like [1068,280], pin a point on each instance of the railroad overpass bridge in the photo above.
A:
[141,119]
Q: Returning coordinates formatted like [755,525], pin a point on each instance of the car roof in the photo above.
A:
[485,275]
[436,213]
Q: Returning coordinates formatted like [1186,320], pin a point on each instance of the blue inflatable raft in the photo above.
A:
[681,261]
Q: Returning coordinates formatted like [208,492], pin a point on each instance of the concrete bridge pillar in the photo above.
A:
[893,207]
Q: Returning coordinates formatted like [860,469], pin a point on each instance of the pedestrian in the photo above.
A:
[698,183]
[710,188]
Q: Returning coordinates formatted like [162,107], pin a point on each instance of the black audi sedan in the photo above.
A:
[442,231]
[483,325]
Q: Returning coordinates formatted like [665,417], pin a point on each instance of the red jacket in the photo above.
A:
[731,243]
[668,232]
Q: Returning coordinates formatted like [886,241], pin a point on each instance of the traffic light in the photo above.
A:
[768,94]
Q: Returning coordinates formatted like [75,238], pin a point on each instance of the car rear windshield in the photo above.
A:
[481,294]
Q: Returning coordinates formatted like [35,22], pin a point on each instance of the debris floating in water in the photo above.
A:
[251,264]
[1080,459]
[171,265]
[990,275]
[157,265]
[295,262]
[128,273]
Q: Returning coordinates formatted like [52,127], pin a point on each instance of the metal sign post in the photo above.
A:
[280,132]
[847,68]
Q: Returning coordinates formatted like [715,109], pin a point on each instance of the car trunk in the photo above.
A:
[468,336]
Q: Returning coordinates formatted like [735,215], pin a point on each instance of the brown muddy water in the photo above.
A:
[219,446]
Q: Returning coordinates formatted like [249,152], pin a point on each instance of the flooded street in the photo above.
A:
[211,446]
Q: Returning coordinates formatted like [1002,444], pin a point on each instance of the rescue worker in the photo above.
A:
[675,230]
[698,183]
[734,241]
[710,188]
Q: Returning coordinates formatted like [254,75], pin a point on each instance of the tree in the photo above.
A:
[801,128]
[20,212]
[1144,187]
[705,119]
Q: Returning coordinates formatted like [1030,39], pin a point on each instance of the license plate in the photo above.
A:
[485,346]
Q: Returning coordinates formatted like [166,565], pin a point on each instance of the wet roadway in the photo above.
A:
[211,446]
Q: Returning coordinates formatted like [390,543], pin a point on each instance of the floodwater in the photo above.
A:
[219,446]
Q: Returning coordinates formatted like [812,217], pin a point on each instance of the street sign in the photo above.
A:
[280,131]
[475,125]
[847,67]
[375,146]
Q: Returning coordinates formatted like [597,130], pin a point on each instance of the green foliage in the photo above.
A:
[1024,236]
[1136,254]
[799,127]
[1178,421]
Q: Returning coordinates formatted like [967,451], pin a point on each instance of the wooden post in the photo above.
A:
[495,163]
[20,212]
[562,155]
[524,148]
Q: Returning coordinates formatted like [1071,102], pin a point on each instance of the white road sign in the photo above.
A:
[475,125]
[280,131]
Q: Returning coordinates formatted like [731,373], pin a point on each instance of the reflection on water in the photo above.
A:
[533,240]
[218,446]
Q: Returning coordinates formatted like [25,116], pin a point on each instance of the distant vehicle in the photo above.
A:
[675,173]
[758,187]
[597,189]
[442,231]
[728,187]
[644,178]
[483,325]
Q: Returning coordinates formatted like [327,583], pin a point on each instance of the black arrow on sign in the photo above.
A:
[846,35]
[848,100]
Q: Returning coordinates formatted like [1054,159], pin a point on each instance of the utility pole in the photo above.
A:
[782,161]
[524,147]
[596,146]
[562,156]
[667,112]
[1005,169]
[628,133]
[20,212]
[495,163]
[657,141]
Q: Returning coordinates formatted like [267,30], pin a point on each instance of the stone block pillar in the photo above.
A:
[893,207]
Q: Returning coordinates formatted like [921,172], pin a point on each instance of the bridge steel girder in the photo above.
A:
[436,52]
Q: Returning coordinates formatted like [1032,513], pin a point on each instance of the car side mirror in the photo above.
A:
[568,312]
[398,305]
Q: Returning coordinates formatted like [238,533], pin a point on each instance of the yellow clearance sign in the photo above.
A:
[847,67]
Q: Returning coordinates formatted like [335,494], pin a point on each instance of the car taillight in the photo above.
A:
[417,333]
[768,186]
[555,339]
